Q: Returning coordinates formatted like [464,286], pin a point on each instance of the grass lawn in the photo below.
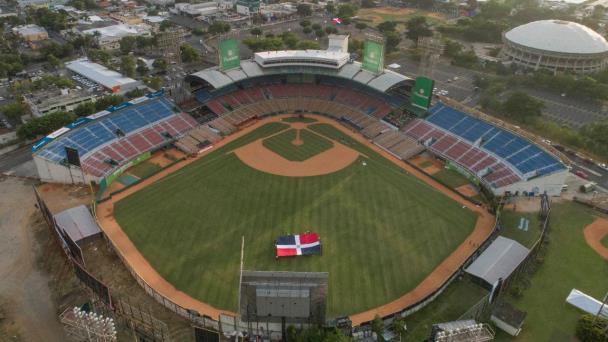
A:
[451,304]
[451,178]
[383,230]
[605,241]
[144,169]
[375,16]
[425,163]
[510,224]
[312,144]
[303,119]
[569,263]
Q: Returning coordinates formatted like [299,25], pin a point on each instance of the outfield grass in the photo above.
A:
[312,144]
[144,169]
[569,263]
[510,224]
[605,241]
[457,298]
[303,119]
[451,178]
[383,231]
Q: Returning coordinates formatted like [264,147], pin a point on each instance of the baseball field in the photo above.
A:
[383,229]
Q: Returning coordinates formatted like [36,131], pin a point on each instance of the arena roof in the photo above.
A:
[249,69]
[322,58]
[558,36]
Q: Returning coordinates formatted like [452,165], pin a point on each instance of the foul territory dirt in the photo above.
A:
[432,282]
[594,233]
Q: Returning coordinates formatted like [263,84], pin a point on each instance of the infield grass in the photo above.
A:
[383,231]
[283,144]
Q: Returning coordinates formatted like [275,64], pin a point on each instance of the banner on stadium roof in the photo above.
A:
[229,54]
[423,93]
[373,56]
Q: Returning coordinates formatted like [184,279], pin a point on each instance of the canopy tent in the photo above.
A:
[298,244]
[498,260]
[586,303]
[78,224]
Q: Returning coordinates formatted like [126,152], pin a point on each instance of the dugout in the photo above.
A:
[499,260]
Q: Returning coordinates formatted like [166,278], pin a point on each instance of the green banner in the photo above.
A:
[373,56]
[106,182]
[423,93]
[229,54]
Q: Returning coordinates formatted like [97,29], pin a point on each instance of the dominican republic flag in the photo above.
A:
[302,244]
[336,21]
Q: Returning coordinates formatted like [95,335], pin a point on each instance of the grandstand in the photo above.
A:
[109,139]
[502,160]
[373,103]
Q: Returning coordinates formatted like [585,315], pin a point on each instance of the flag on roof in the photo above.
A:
[298,244]
[336,21]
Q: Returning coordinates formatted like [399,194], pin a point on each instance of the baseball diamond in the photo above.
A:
[376,216]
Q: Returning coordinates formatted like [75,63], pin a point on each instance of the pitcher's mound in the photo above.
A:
[260,158]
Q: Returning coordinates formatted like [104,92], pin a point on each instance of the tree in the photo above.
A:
[160,64]
[596,137]
[522,107]
[127,44]
[330,8]
[330,30]
[127,65]
[290,40]
[154,82]
[305,23]
[189,54]
[319,33]
[304,10]
[142,68]
[256,31]
[14,111]
[164,25]
[347,11]
[45,124]
[360,26]
[316,26]
[198,31]
[368,3]
[308,45]
[392,40]
[418,27]
[591,329]
[378,326]
[53,61]
[219,27]
[307,30]
[386,26]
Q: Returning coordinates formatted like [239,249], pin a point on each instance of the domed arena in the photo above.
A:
[556,45]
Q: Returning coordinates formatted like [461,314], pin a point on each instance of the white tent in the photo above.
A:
[586,303]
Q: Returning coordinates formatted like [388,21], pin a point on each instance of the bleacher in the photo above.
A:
[497,156]
[362,101]
[115,138]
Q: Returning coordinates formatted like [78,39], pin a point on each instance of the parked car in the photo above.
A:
[581,174]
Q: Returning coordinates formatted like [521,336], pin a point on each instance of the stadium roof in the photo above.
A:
[322,58]
[99,73]
[558,36]
[249,69]
[498,260]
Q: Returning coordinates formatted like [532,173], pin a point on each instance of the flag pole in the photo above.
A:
[241,276]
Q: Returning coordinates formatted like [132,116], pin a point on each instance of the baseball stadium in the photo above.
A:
[296,162]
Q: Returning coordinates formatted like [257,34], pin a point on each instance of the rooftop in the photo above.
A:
[27,30]
[558,36]
[98,73]
[119,30]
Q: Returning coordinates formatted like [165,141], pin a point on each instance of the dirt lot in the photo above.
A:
[36,282]
[28,269]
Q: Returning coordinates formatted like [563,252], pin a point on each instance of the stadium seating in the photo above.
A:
[120,136]
[497,156]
